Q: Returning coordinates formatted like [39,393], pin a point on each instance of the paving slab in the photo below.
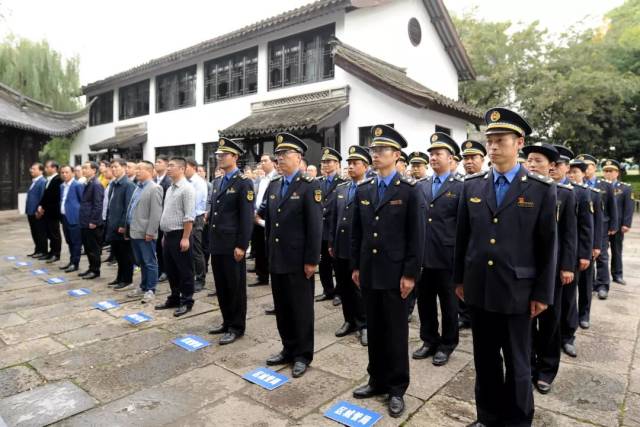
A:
[17,379]
[28,350]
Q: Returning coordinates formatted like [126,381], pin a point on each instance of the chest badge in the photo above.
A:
[317,196]
[365,202]
[475,200]
[250,196]
[523,203]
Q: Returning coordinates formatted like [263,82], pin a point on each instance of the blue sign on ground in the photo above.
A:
[106,305]
[39,271]
[352,415]
[265,378]
[23,264]
[191,342]
[58,280]
[77,292]
[137,318]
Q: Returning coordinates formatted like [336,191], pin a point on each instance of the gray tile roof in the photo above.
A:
[21,112]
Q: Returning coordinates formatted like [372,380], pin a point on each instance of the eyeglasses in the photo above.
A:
[379,150]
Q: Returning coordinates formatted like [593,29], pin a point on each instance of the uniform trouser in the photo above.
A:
[388,340]
[434,285]
[352,303]
[124,256]
[92,242]
[585,293]
[463,312]
[412,298]
[179,268]
[160,253]
[206,250]
[198,250]
[293,302]
[74,240]
[38,233]
[259,250]
[53,235]
[602,262]
[616,254]
[547,340]
[230,278]
[504,393]
[326,269]
[569,311]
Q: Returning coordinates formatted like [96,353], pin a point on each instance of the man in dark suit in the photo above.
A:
[230,215]
[541,158]
[70,200]
[609,223]
[386,249]
[36,223]
[355,319]
[120,192]
[292,211]
[90,220]
[49,210]
[442,194]
[164,181]
[624,205]
[505,267]
[330,162]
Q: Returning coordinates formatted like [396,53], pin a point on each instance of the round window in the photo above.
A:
[415,32]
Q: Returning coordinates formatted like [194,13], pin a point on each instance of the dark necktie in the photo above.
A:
[382,186]
[284,188]
[352,192]
[224,182]
[435,187]
[502,185]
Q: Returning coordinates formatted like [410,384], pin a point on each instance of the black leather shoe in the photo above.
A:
[271,311]
[543,387]
[584,324]
[71,269]
[366,391]
[570,350]
[278,359]
[299,368]
[53,259]
[602,293]
[463,324]
[37,255]
[344,330]
[323,297]
[364,337]
[91,276]
[336,301]
[424,352]
[113,282]
[32,254]
[440,358]
[197,287]
[220,329]
[64,267]
[182,310]
[84,273]
[477,424]
[165,306]
[44,257]
[260,282]
[396,406]
[228,338]
[619,280]
[163,278]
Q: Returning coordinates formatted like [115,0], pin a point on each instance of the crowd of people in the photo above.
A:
[513,252]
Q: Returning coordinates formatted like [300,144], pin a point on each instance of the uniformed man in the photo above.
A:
[419,162]
[455,161]
[505,265]
[355,319]
[624,204]
[442,193]
[584,249]
[230,216]
[292,210]
[609,223]
[401,164]
[473,154]
[330,163]
[387,245]
[541,159]
[521,157]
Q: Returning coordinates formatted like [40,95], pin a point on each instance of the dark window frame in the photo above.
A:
[171,82]
[215,69]
[183,150]
[139,94]
[301,58]
[102,110]
[443,129]
[364,135]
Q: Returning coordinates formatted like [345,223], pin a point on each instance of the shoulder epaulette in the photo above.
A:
[409,181]
[541,178]
[276,178]
[581,185]
[426,178]
[626,184]
[242,176]
[306,177]
[476,175]
[367,181]
[566,186]
[458,177]
[342,184]
[595,190]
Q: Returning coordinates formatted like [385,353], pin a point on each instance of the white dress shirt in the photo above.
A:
[65,191]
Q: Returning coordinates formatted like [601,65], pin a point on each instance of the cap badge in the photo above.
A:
[279,139]
[352,150]
[434,138]
[495,116]
[327,151]
[609,163]
[468,145]
[377,132]
[221,142]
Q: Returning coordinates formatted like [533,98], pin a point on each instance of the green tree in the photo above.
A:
[38,71]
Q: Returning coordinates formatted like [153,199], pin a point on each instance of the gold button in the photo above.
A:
[277,225]
[277,240]
[430,220]
[215,213]
[342,230]
[375,251]
[213,226]
[495,220]
[279,210]
[490,263]
[431,205]
[492,241]
[347,208]
[344,219]
[377,218]
[375,234]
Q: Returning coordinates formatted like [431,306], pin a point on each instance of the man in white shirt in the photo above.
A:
[267,164]
[200,186]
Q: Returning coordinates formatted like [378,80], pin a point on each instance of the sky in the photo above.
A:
[116,35]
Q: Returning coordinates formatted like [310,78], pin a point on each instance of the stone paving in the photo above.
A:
[63,362]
